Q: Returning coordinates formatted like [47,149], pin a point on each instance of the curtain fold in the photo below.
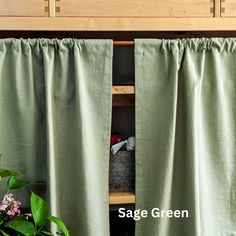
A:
[55,109]
[186,136]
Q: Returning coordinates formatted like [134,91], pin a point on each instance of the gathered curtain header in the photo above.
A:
[162,45]
[195,45]
[57,45]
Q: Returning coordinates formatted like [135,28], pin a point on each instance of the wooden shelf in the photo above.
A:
[121,198]
[124,89]
[123,96]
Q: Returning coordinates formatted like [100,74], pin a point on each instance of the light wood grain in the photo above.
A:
[121,198]
[117,24]
[217,8]
[135,8]
[122,89]
[228,8]
[52,8]
[23,8]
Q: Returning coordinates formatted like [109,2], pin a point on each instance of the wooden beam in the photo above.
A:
[217,8]
[116,24]
[52,7]
[121,198]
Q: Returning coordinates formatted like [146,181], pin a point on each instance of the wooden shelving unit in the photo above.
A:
[123,96]
[121,198]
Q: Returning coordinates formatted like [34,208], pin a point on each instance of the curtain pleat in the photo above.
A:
[186,136]
[55,121]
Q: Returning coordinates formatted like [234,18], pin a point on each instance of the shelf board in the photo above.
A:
[124,89]
[121,198]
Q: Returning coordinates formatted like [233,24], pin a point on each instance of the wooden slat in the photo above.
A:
[121,198]
[116,24]
[52,8]
[23,8]
[217,8]
[136,8]
[228,8]
[123,89]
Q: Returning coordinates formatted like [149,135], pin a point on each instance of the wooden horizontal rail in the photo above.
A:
[117,24]
[123,89]
[121,198]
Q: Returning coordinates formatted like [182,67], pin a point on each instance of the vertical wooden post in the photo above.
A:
[52,7]
[217,8]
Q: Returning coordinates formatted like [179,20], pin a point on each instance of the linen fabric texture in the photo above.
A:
[55,118]
[186,135]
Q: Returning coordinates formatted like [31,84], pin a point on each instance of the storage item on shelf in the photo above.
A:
[116,138]
[130,145]
[116,147]
[122,172]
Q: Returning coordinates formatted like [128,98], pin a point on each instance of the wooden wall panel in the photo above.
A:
[135,8]
[228,8]
[24,8]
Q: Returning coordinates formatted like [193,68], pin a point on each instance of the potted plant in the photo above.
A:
[17,221]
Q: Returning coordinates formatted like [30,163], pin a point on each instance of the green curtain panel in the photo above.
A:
[186,137]
[55,118]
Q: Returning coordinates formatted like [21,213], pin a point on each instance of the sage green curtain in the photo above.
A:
[55,118]
[186,135]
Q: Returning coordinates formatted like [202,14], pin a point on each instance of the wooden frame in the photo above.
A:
[47,16]
[116,24]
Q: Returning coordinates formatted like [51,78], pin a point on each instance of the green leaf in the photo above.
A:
[4,234]
[6,173]
[14,182]
[39,208]
[22,225]
[60,225]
